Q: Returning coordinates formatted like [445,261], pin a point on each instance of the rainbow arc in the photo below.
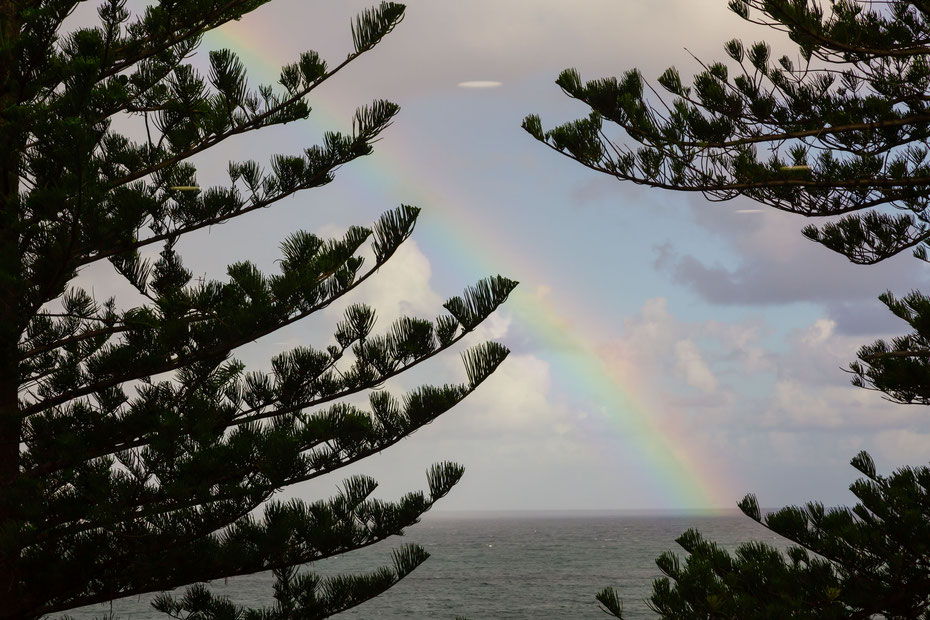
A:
[680,475]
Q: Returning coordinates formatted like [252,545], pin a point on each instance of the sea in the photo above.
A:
[491,565]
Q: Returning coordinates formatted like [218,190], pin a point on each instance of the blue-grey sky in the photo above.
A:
[723,330]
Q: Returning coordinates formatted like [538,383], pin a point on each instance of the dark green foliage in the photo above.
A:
[841,131]
[864,562]
[136,454]
[802,139]
[304,596]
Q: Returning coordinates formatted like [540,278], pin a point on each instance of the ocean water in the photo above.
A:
[505,565]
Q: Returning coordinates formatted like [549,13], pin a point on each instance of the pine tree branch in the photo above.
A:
[830,43]
[652,138]
[124,57]
[62,272]
[892,354]
[314,181]
[213,549]
[252,415]
[121,106]
[165,504]
[75,339]
[256,122]
[141,49]
[197,356]
[116,249]
[166,583]
[864,182]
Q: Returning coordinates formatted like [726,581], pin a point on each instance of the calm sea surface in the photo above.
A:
[505,565]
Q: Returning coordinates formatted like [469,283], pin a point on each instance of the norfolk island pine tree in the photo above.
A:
[136,454]
[841,132]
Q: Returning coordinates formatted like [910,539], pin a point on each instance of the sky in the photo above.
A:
[667,352]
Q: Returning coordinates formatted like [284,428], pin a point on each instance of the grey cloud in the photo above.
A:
[864,318]
[757,281]
[775,264]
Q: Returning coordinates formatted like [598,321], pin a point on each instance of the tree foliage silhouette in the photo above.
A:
[136,454]
[839,132]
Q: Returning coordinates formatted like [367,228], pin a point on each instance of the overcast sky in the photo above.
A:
[667,352]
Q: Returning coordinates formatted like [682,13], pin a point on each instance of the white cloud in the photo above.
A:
[516,401]
[495,327]
[692,365]
[818,333]
[515,397]
[795,405]
[479,84]
[746,388]
[400,288]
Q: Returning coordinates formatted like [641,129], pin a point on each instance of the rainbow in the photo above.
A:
[676,474]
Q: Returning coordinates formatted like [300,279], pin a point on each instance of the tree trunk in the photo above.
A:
[11,295]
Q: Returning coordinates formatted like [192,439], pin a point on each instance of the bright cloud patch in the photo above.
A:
[400,288]
[693,366]
[479,84]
